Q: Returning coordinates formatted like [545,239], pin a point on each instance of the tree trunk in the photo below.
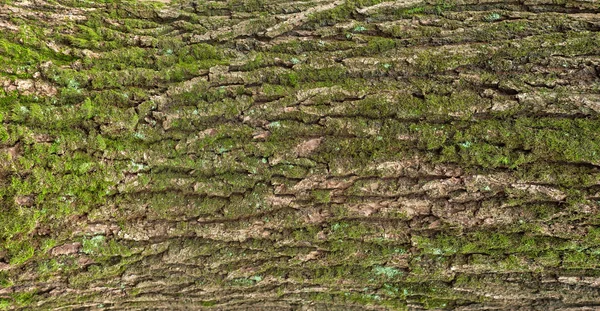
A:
[300,155]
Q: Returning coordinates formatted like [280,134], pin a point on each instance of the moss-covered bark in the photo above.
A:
[287,155]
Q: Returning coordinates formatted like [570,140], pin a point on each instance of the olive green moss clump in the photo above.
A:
[349,154]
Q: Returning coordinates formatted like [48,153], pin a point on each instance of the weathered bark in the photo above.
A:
[314,155]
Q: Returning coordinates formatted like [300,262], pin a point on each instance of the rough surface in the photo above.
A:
[299,155]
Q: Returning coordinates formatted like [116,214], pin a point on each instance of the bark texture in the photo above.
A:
[300,155]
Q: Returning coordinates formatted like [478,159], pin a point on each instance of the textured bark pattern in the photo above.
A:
[300,155]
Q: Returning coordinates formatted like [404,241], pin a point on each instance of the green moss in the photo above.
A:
[443,5]
[332,16]
[208,303]
[388,272]
[99,247]
[257,61]
[24,298]
[97,274]
[437,304]
[20,251]
[5,280]
[5,304]
[76,148]
[245,281]
[48,267]
[375,46]
[322,196]
[307,74]
[289,79]
[487,243]
[580,260]
[414,11]
[428,61]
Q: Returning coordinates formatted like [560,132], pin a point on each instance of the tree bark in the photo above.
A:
[300,155]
